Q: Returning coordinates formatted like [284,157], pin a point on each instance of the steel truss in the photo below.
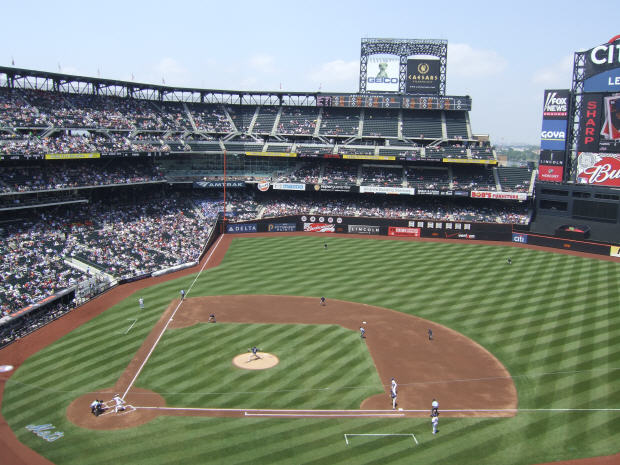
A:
[404,48]
[15,78]
[576,95]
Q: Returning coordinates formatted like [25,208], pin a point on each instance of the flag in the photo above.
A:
[59,66]
[132,77]
[12,61]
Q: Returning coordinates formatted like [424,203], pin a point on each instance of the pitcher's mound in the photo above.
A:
[249,361]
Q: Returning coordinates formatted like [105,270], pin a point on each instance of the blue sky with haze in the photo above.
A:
[502,54]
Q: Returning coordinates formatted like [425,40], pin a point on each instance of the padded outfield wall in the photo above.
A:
[463,230]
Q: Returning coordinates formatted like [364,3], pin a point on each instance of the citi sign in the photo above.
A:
[605,54]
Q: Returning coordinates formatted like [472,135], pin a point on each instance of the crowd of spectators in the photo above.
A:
[120,240]
[388,207]
[61,174]
[11,331]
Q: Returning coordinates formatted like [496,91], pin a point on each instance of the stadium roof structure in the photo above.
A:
[59,82]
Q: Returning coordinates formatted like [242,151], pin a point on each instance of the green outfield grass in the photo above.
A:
[553,320]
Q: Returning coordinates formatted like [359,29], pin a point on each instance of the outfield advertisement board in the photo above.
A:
[363,229]
[383,73]
[519,238]
[319,227]
[423,76]
[71,156]
[235,228]
[282,227]
[401,231]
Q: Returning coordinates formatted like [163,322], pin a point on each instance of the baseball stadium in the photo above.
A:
[195,275]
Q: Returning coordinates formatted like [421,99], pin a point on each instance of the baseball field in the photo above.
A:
[525,359]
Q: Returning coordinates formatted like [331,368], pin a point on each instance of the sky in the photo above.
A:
[502,54]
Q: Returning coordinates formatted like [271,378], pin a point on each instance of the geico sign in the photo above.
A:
[382,80]
[605,54]
[555,135]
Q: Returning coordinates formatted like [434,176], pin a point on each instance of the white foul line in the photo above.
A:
[134,322]
[320,415]
[169,320]
[379,434]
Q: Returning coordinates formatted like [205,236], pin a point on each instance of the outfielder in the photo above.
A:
[141,302]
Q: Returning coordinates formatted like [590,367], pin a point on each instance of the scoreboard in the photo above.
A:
[411,102]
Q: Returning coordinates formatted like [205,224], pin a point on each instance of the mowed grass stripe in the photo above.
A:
[545,313]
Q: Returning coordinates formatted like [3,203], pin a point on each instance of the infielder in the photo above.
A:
[430,334]
[393,394]
[362,332]
[435,423]
[323,301]
[434,408]
[182,294]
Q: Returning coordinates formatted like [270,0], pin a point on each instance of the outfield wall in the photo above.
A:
[464,230]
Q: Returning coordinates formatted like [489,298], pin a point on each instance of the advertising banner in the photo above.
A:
[599,169]
[556,104]
[282,227]
[520,238]
[402,231]
[422,76]
[319,227]
[71,156]
[553,134]
[499,195]
[241,228]
[219,184]
[369,157]
[332,188]
[363,229]
[387,190]
[614,251]
[288,186]
[599,123]
[550,173]
[602,68]
[383,73]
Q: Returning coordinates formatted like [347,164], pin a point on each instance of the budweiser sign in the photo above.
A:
[598,169]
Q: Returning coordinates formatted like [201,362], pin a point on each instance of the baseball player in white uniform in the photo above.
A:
[120,403]
[141,302]
[393,394]
[435,422]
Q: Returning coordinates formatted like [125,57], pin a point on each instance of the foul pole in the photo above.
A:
[224,223]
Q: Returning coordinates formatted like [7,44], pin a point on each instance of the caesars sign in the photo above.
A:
[422,76]
[383,73]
